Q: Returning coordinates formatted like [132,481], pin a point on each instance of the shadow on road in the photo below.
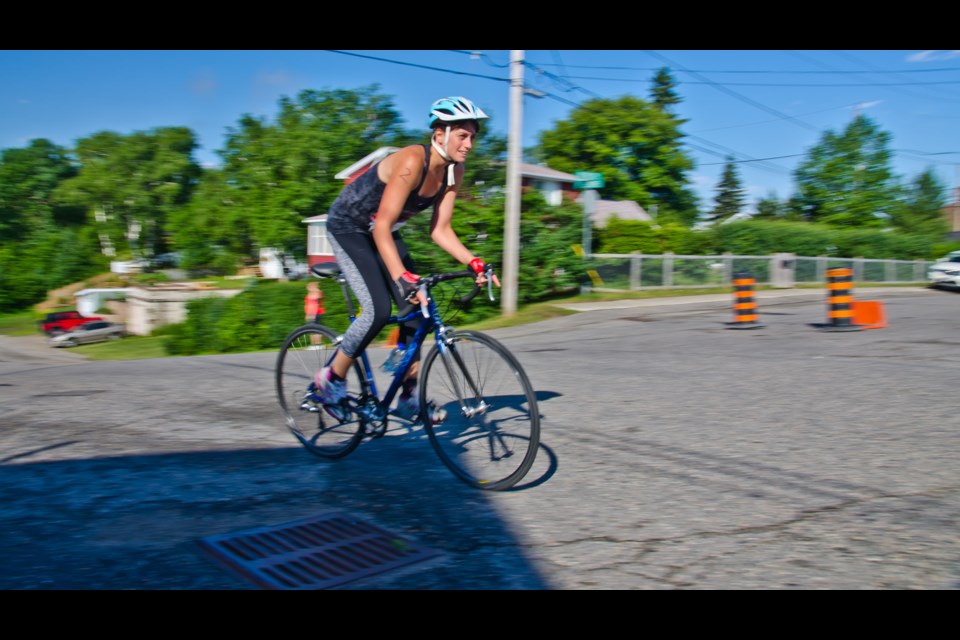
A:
[134,522]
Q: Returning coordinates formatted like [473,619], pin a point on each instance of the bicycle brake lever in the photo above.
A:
[423,307]
[490,287]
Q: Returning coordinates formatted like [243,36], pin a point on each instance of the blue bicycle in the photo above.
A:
[477,405]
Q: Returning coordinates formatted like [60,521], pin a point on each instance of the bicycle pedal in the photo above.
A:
[339,412]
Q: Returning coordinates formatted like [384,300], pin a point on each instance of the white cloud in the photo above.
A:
[934,54]
[274,79]
[204,83]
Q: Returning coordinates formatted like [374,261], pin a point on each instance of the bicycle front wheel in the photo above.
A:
[304,352]
[479,410]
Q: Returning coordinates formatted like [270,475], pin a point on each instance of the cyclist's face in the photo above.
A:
[462,137]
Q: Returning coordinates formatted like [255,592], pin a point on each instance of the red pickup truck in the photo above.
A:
[62,321]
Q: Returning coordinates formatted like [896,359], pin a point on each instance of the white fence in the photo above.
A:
[637,271]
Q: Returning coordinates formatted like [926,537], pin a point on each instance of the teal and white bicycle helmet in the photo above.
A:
[454,109]
[450,110]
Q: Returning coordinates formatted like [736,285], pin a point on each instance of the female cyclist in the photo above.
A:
[363,224]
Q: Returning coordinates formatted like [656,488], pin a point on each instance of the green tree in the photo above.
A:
[549,266]
[43,242]
[770,208]
[277,173]
[28,178]
[211,232]
[635,145]
[548,263]
[663,92]
[130,184]
[847,180]
[282,172]
[921,210]
[730,196]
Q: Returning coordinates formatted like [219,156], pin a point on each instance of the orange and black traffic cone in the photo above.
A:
[839,301]
[744,306]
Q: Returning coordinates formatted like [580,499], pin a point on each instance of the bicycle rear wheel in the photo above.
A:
[305,351]
[479,410]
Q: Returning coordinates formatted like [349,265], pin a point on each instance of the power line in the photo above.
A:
[929,153]
[750,124]
[819,63]
[784,84]
[748,71]
[726,150]
[904,91]
[556,56]
[773,168]
[738,96]
[419,66]
[481,56]
[793,155]
[565,84]
[908,153]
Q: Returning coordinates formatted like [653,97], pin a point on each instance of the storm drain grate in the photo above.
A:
[320,552]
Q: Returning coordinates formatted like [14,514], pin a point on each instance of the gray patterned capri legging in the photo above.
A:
[369,279]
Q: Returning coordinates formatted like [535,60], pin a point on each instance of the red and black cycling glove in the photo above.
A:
[407,286]
[478,265]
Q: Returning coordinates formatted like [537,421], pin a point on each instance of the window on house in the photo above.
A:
[550,191]
[317,242]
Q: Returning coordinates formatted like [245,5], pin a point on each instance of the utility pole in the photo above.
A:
[511,221]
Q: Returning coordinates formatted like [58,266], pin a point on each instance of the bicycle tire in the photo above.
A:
[305,351]
[492,441]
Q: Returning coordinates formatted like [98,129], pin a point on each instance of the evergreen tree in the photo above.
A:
[730,195]
[662,94]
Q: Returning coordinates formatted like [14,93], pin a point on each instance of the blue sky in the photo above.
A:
[766,108]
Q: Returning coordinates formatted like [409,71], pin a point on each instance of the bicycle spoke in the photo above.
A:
[328,433]
[490,435]
[477,405]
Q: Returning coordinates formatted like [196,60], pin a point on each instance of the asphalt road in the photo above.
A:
[676,454]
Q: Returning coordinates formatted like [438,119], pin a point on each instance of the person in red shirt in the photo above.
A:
[313,303]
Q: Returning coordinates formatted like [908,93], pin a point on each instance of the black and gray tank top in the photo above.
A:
[355,209]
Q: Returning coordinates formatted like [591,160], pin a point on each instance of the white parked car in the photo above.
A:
[945,272]
[96,331]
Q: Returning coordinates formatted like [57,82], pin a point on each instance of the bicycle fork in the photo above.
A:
[446,353]
[497,446]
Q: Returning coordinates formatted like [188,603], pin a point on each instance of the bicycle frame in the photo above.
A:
[432,322]
[477,406]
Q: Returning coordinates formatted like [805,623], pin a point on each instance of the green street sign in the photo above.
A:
[588,180]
